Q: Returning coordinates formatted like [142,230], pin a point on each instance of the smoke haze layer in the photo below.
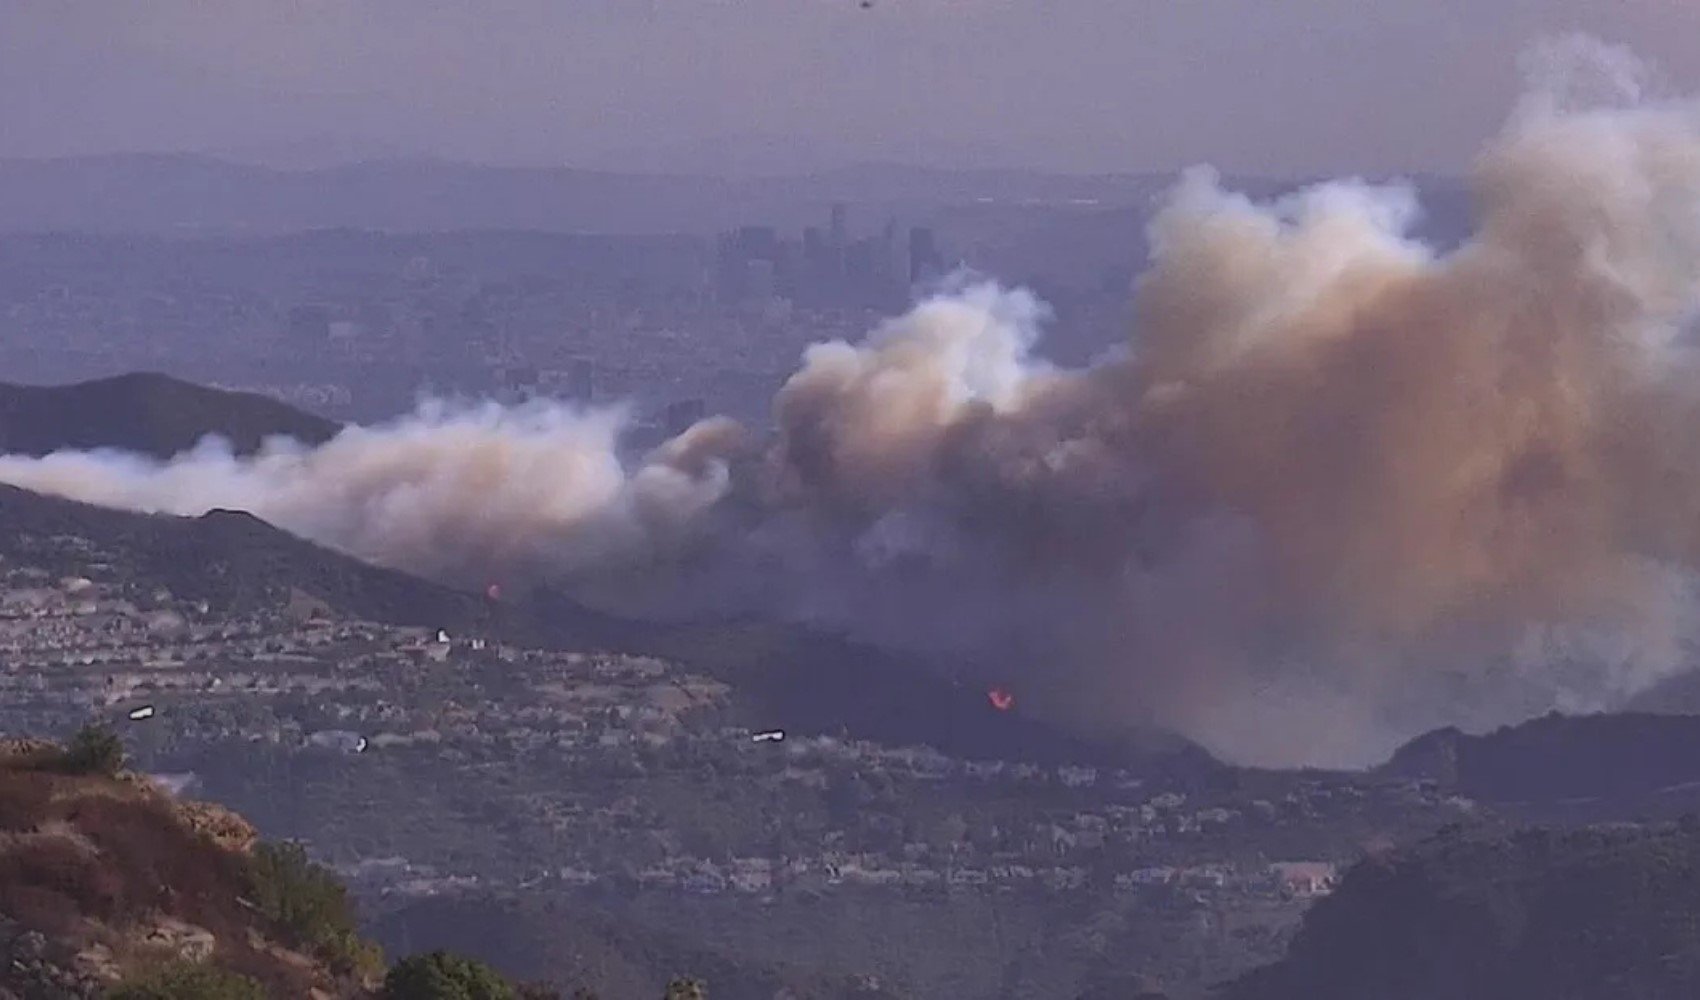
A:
[1340,489]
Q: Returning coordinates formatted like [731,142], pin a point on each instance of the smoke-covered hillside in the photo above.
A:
[1338,472]
[806,680]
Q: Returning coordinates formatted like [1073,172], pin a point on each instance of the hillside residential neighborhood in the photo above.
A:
[425,763]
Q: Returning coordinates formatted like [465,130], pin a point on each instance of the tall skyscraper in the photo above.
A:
[581,380]
[925,260]
[840,226]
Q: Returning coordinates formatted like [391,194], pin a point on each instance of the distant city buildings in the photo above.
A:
[360,325]
[926,262]
[825,268]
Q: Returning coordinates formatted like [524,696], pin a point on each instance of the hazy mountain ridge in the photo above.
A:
[171,192]
[1101,247]
[1563,767]
[147,413]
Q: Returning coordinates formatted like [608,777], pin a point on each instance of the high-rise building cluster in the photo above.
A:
[827,267]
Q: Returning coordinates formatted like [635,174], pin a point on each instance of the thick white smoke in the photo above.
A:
[1341,488]
[455,492]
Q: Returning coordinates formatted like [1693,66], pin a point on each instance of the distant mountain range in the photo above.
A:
[183,193]
[1104,246]
[159,193]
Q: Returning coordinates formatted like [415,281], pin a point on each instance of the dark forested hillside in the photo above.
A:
[1567,767]
[151,414]
[1533,915]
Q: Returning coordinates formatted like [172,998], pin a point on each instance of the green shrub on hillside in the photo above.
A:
[188,981]
[310,907]
[440,975]
[94,750]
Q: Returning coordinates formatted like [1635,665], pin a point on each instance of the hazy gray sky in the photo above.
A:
[1276,86]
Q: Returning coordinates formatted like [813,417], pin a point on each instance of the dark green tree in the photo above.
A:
[95,749]
[310,906]
[441,975]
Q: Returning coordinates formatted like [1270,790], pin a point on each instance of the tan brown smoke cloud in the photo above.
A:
[1366,483]
[1341,488]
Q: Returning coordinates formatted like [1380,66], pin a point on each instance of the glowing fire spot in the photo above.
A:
[1001,700]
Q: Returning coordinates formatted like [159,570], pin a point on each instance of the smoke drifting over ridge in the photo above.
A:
[452,492]
[1341,489]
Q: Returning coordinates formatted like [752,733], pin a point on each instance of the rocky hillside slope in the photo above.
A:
[106,880]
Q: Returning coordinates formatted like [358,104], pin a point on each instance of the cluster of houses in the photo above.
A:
[767,878]
[90,644]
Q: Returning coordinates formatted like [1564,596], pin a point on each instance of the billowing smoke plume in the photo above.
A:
[453,492]
[1341,487]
